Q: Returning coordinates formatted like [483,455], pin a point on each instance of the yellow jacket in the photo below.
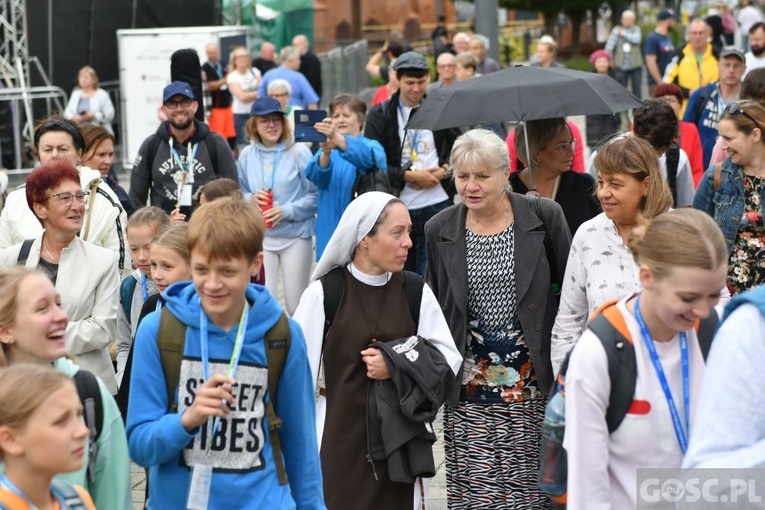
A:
[688,74]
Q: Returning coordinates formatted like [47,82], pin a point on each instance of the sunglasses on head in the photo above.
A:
[734,108]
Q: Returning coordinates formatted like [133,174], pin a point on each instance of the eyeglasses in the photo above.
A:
[734,108]
[66,198]
[264,121]
[278,94]
[564,147]
[183,103]
[669,99]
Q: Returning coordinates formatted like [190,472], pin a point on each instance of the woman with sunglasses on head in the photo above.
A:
[272,176]
[83,274]
[59,140]
[732,193]
[551,153]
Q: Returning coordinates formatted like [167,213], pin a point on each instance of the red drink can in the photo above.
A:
[269,203]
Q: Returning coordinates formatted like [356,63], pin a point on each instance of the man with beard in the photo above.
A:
[755,57]
[175,162]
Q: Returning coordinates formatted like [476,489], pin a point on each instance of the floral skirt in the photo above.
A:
[492,455]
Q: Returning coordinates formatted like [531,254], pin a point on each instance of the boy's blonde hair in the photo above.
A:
[227,228]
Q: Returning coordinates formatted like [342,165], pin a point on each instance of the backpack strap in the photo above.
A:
[127,289]
[413,285]
[622,368]
[555,281]
[277,341]
[673,160]
[171,340]
[332,285]
[67,495]
[705,331]
[93,405]
[26,247]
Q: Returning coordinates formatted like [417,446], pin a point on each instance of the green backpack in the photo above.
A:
[171,340]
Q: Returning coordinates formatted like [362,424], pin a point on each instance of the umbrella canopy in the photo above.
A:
[522,93]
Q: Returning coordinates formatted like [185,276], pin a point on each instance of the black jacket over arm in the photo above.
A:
[382,125]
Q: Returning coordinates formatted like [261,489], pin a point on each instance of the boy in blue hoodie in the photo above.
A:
[218,440]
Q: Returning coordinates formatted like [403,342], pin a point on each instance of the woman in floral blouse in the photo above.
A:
[492,261]
[600,267]
[732,193]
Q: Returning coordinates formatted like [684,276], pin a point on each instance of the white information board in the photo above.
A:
[144,56]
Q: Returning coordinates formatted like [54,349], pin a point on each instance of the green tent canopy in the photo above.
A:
[276,21]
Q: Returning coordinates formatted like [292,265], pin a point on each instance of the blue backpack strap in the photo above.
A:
[127,289]
[67,495]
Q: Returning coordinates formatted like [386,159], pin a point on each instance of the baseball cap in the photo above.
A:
[264,106]
[410,60]
[177,88]
[732,52]
[665,14]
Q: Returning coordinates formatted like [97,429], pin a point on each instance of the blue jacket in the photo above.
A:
[727,204]
[296,195]
[244,474]
[335,182]
[703,110]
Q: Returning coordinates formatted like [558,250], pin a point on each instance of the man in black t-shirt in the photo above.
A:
[267,59]
[221,119]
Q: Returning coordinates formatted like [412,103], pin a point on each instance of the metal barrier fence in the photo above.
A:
[343,70]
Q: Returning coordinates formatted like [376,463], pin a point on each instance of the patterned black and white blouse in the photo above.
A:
[497,362]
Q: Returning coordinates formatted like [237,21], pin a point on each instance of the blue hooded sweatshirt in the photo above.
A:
[244,472]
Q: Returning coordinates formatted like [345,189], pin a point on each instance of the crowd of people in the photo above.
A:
[253,330]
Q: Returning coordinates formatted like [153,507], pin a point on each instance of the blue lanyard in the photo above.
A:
[191,154]
[159,305]
[682,437]
[7,484]
[144,288]
[233,364]
[277,157]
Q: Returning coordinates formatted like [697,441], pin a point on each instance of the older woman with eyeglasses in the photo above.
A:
[551,151]
[59,140]
[84,275]
[732,192]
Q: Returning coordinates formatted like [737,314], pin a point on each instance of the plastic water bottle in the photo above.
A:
[553,469]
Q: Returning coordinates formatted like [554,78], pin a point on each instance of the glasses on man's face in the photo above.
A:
[734,108]
[183,103]
[564,147]
[66,199]
[265,121]
[277,95]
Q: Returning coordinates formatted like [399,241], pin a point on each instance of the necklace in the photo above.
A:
[53,259]
[471,224]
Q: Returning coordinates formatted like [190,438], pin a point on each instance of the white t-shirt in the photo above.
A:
[747,17]
[249,81]
[427,157]
[602,471]
[753,62]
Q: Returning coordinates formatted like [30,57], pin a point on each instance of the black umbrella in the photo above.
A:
[522,93]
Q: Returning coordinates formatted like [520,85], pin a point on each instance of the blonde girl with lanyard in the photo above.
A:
[272,176]
[136,288]
[41,435]
[682,263]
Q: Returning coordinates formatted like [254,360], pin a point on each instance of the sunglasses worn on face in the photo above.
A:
[734,108]
[183,103]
